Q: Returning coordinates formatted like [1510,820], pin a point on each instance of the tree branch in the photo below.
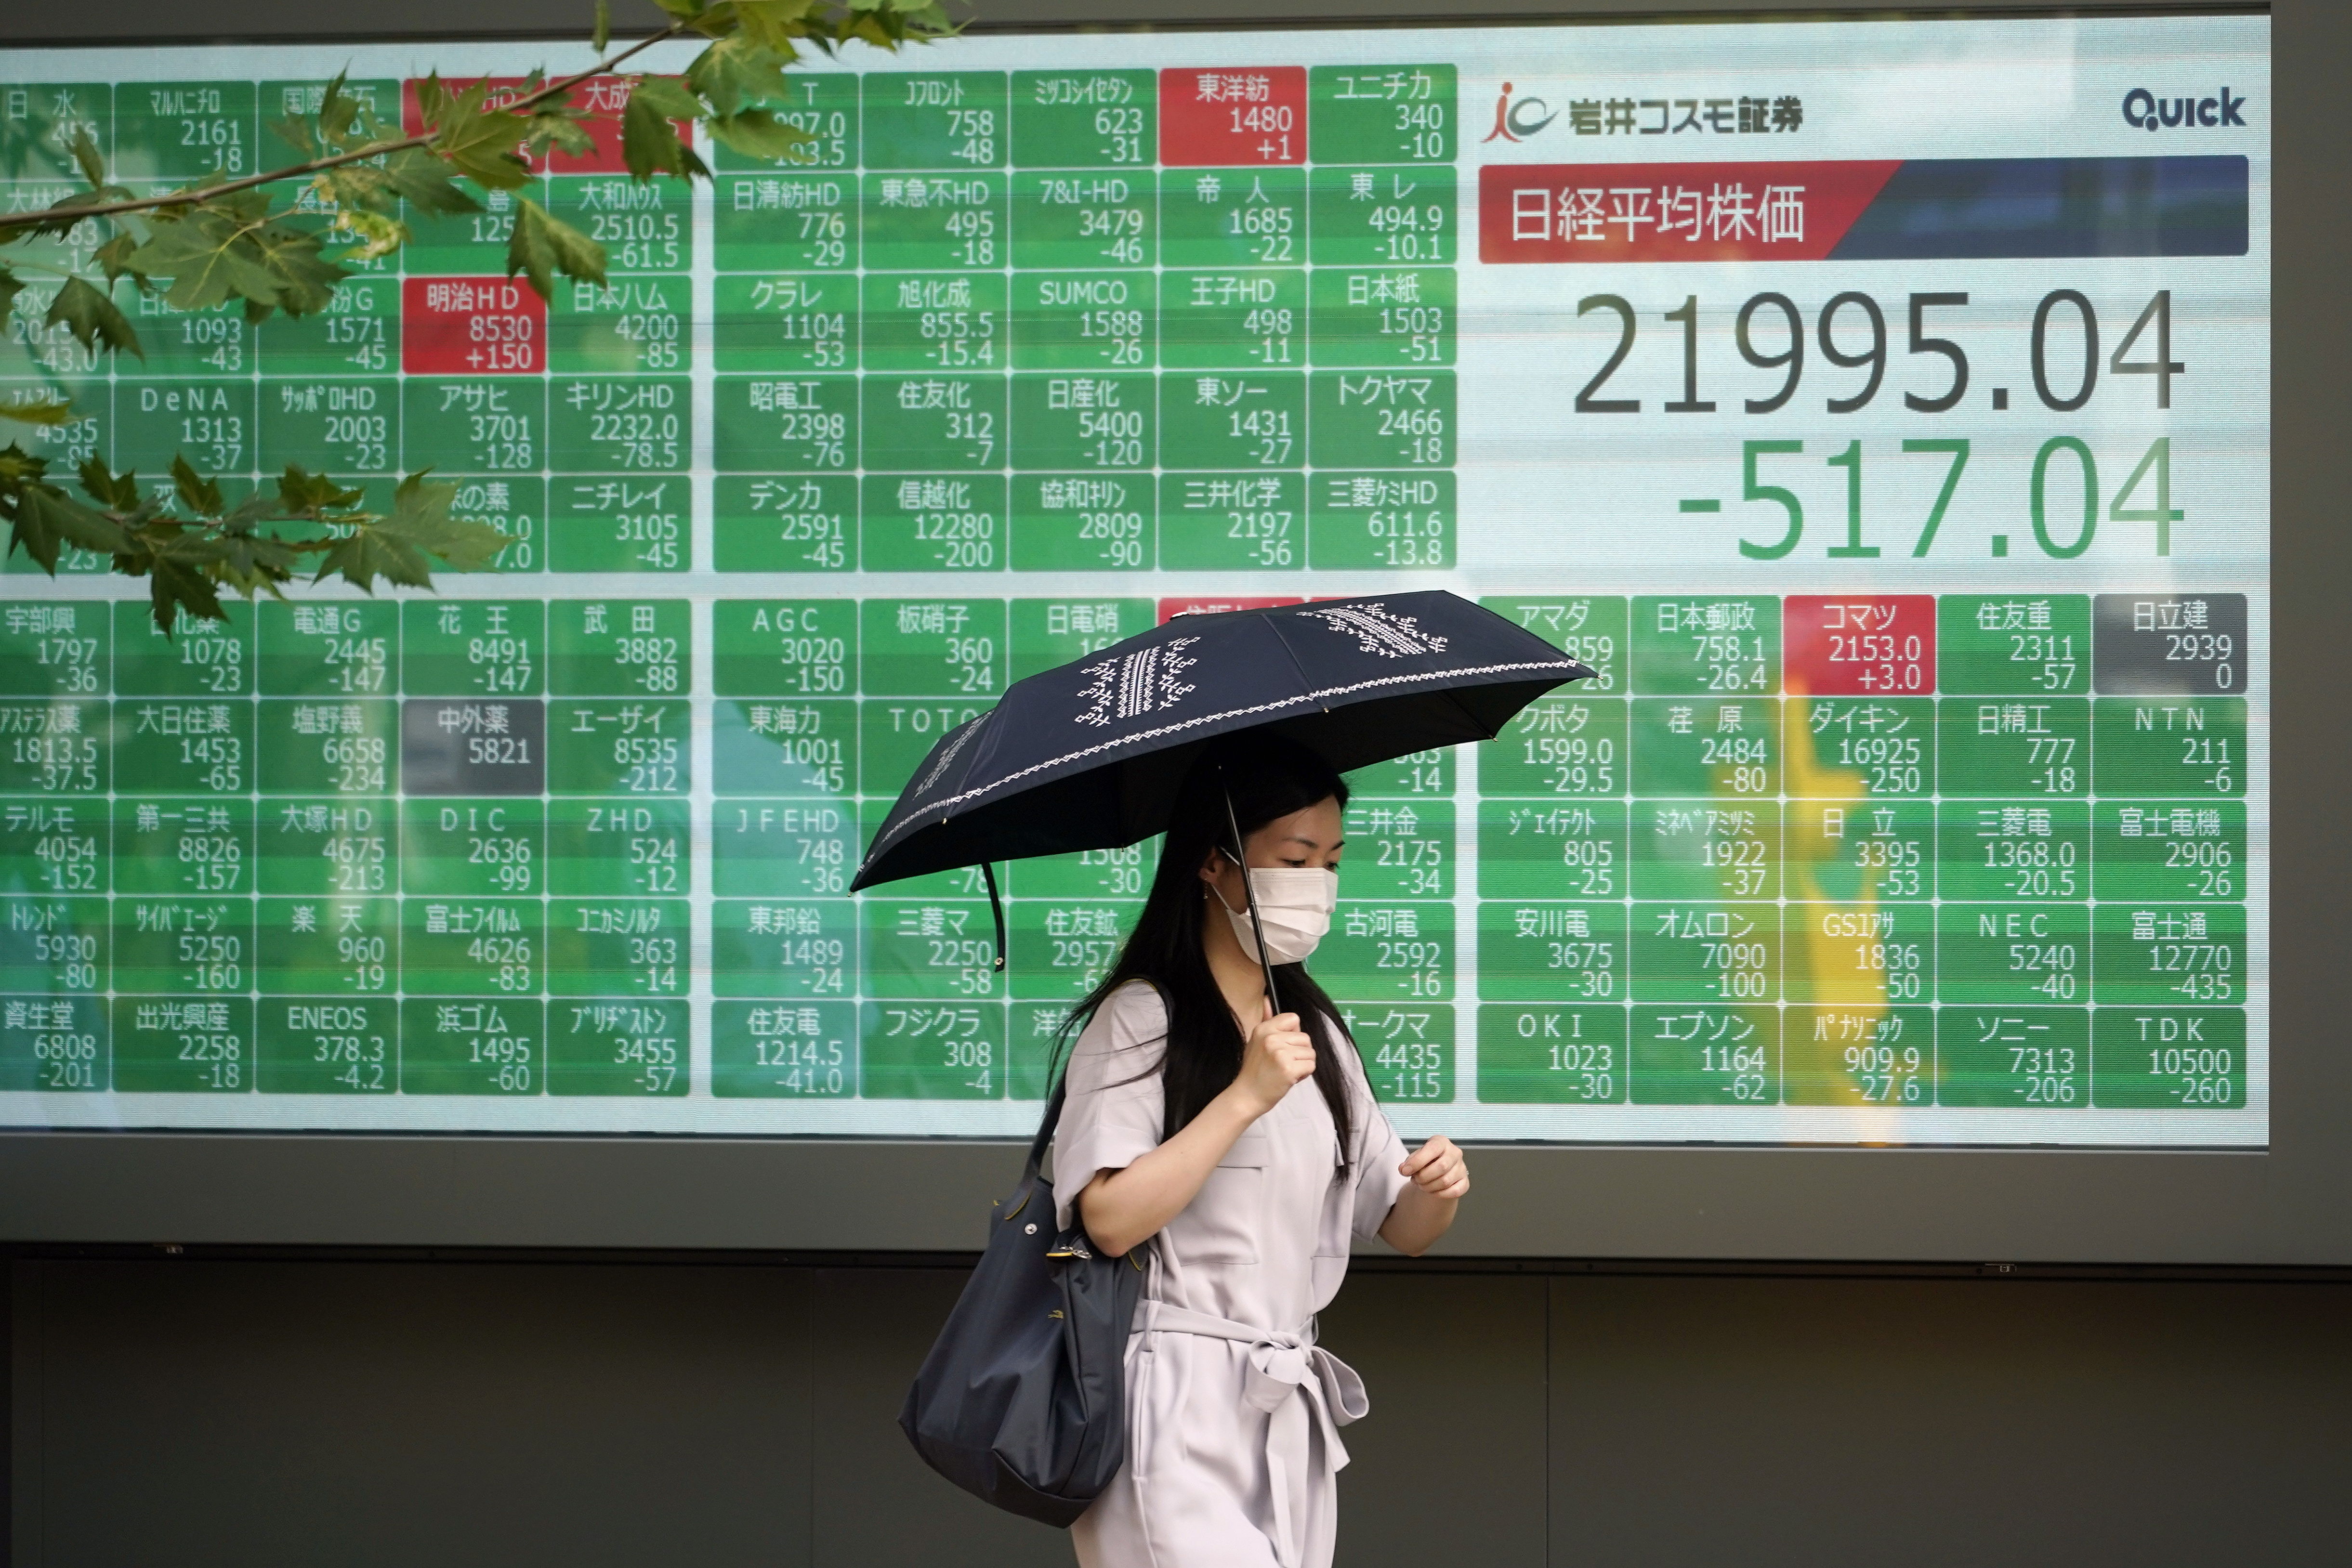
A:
[320,165]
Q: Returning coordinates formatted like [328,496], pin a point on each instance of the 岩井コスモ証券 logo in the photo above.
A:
[1516,120]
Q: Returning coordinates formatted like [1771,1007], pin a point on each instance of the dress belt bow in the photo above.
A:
[1304,1388]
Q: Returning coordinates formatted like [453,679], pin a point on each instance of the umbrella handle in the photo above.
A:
[996,907]
[1249,892]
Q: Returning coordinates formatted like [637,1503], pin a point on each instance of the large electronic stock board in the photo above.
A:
[1880,408]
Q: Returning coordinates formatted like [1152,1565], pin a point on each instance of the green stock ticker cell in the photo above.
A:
[358,334]
[932,522]
[2155,955]
[933,322]
[930,949]
[2013,644]
[1707,952]
[188,848]
[482,424]
[1232,218]
[1543,849]
[1233,318]
[468,245]
[626,325]
[640,749]
[1559,747]
[475,647]
[1860,1055]
[1383,317]
[910,1049]
[183,1044]
[2023,1056]
[41,122]
[55,946]
[1726,749]
[2170,746]
[935,119]
[1383,218]
[1382,418]
[212,424]
[2024,748]
[329,650]
[55,651]
[1556,1054]
[495,848]
[1857,955]
[1863,851]
[793,849]
[799,949]
[332,848]
[56,749]
[1407,1050]
[1708,1053]
[1376,521]
[1123,872]
[620,647]
[618,849]
[932,647]
[184,131]
[1060,949]
[1046,632]
[618,1046]
[618,947]
[1085,321]
[1705,647]
[785,522]
[1251,521]
[327,1045]
[821,105]
[461,946]
[55,847]
[328,947]
[1553,951]
[800,648]
[215,341]
[328,746]
[1705,849]
[2170,852]
[198,659]
[1084,118]
[1383,113]
[795,220]
[794,323]
[56,1045]
[1103,424]
[952,422]
[2165,1058]
[646,227]
[783,1050]
[894,736]
[460,1046]
[619,424]
[1388,952]
[1083,522]
[2013,955]
[934,223]
[1084,218]
[199,947]
[1247,421]
[1416,776]
[801,425]
[789,746]
[2029,851]
[344,427]
[1399,849]
[169,746]
[1856,749]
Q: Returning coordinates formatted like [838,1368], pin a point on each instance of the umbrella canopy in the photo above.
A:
[1090,755]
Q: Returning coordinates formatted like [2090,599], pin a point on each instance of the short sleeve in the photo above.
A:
[1112,1115]
[1378,1154]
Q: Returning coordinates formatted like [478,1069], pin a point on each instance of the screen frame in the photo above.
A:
[2289,1204]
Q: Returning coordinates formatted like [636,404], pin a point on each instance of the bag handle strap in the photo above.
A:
[1044,1139]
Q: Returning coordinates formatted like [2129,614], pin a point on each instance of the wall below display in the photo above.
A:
[195,1411]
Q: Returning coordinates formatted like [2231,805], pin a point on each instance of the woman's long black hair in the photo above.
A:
[1268,777]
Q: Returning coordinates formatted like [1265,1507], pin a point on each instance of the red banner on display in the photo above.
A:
[601,99]
[1858,644]
[1172,607]
[471,327]
[1233,117]
[1672,212]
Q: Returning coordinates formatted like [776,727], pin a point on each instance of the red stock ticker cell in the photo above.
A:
[600,99]
[1858,644]
[1172,607]
[471,327]
[1233,117]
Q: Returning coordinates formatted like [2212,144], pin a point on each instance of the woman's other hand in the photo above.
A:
[1438,1168]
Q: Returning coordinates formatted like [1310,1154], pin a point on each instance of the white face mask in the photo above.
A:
[1294,905]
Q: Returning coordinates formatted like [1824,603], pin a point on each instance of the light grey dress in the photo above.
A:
[1233,1447]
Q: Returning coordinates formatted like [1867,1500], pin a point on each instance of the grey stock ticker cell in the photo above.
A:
[2172,643]
[465,746]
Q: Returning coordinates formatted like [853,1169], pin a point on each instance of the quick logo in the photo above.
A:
[2149,113]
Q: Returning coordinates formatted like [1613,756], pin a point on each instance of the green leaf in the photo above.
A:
[602,38]
[774,24]
[735,72]
[666,96]
[180,564]
[118,492]
[53,411]
[423,182]
[47,517]
[650,144]
[559,125]
[91,318]
[300,491]
[474,140]
[756,133]
[396,547]
[338,111]
[85,155]
[11,285]
[113,258]
[684,10]
[252,562]
[231,247]
[542,246]
[198,494]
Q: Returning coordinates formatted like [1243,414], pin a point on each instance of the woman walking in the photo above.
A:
[1241,1149]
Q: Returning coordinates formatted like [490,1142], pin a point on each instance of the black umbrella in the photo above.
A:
[1090,755]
